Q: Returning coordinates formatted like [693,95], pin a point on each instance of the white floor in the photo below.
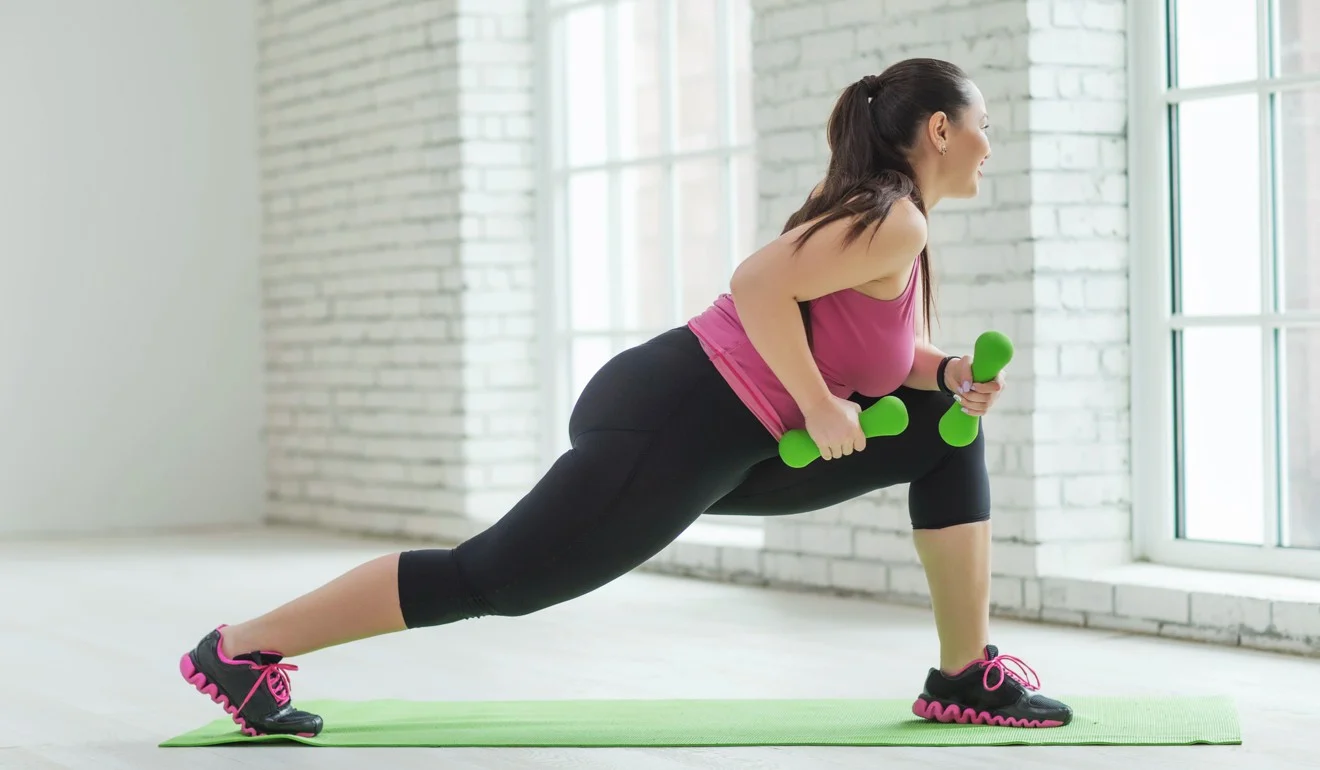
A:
[91,633]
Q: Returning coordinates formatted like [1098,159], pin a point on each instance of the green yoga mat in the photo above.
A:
[627,723]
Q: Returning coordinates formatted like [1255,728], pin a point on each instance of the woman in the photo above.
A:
[819,324]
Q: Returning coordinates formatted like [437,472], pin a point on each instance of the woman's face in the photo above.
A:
[968,147]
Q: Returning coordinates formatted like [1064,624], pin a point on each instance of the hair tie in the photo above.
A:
[871,85]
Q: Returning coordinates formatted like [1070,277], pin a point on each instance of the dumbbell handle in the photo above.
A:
[993,351]
[886,417]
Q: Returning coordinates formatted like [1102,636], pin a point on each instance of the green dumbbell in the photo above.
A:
[992,353]
[886,417]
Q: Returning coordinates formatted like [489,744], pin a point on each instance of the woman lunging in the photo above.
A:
[818,324]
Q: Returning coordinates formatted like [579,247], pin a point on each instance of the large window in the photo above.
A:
[1226,277]
[648,176]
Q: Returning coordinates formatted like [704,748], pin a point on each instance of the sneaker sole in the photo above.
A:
[188,668]
[952,713]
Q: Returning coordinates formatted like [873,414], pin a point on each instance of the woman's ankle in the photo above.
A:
[233,642]
[955,661]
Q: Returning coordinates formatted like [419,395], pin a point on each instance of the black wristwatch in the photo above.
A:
[939,375]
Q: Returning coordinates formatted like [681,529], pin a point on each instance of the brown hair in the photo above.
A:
[875,122]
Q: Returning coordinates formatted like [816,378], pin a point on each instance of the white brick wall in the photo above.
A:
[498,323]
[1076,123]
[397,156]
[805,53]
[1040,255]
[397,216]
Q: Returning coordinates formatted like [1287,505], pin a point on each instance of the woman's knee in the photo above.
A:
[956,491]
[476,579]
[927,521]
[434,591]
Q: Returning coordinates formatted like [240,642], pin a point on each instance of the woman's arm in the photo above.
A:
[925,364]
[768,285]
[927,358]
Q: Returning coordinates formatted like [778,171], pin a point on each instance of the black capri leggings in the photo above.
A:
[658,438]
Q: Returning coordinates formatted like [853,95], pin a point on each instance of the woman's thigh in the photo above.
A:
[657,437]
[947,484]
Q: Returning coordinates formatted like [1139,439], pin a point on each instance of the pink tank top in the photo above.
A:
[861,345]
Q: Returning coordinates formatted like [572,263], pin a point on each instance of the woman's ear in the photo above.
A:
[937,130]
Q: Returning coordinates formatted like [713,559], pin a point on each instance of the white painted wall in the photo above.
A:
[130,352]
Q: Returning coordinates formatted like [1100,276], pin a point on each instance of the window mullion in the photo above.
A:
[668,139]
[1297,82]
[1269,350]
[1151,392]
[1295,319]
[728,107]
[647,160]
[553,229]
[563,9]
[614,195]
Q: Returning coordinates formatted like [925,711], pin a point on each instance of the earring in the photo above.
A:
[944,148]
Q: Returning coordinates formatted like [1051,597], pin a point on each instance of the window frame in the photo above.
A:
[1152,205]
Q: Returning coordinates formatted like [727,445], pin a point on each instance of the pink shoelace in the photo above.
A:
[273,676]
[1000,663]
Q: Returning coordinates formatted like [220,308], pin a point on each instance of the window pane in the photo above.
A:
[702,250]
[588,252]
[746,197]
[1299,187]
[1301,438]
[1298,37]
[640,112]
[633,340]
[584,72]
[565,395]
[648,284]
[744,122]
[696,58]
[1219,202]
[1215,41]
[588,356]
[1222,451]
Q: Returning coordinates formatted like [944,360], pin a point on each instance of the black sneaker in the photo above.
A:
[258,679]
[987,693]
